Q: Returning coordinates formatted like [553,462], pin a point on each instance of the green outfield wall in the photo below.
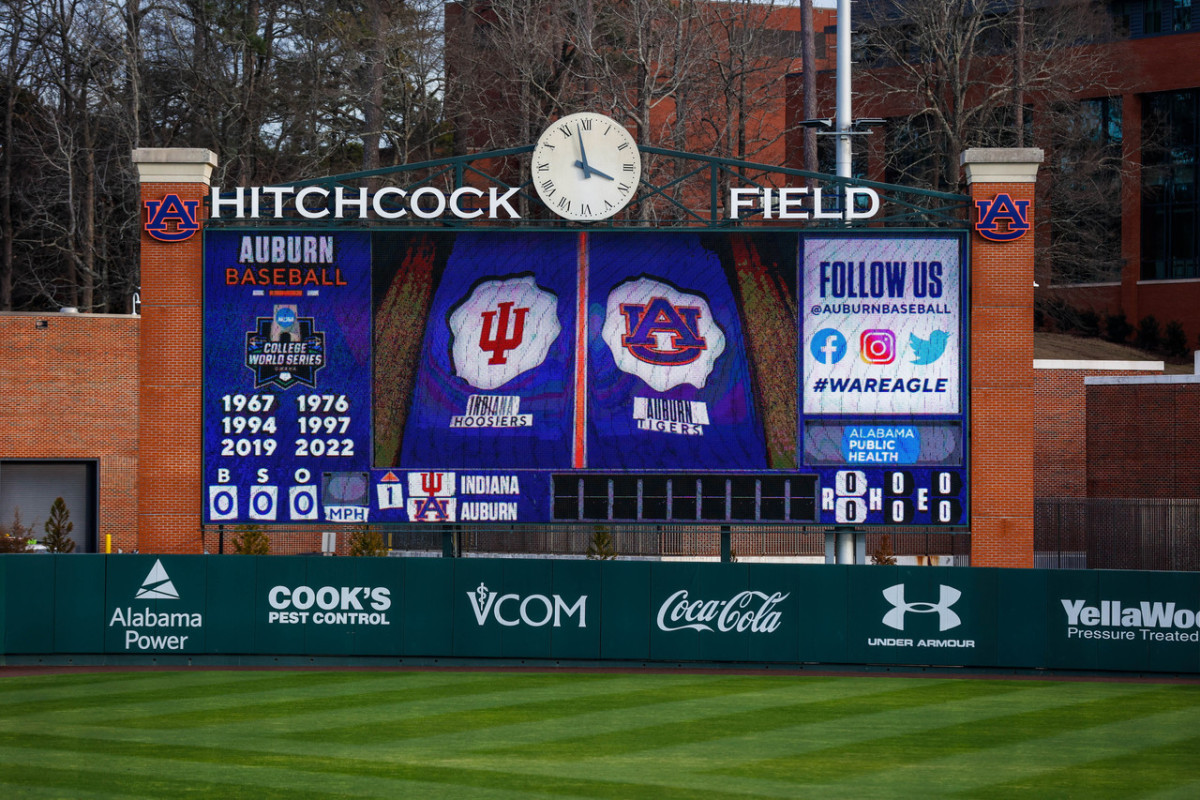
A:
[592,611]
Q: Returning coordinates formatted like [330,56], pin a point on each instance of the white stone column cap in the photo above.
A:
[1002,164]
[174,164]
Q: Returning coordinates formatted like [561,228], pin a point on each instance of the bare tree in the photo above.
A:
[512,70]
[22,33]
[960,73]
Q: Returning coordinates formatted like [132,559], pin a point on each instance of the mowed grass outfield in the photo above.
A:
[298,734]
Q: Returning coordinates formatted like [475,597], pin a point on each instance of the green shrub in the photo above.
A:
[365,541]
[15,538]
[601,547]
[883,553]
[251,541]
[1149,337]
[1175,340]
[1117,328]
[1089,322]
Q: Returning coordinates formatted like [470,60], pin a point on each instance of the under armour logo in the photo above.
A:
[947,596]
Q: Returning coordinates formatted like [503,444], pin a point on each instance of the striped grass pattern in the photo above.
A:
[301,734]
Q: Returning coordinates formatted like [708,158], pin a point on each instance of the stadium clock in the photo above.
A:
[586,167]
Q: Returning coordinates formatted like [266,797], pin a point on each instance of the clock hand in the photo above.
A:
[582,163]
[593,171]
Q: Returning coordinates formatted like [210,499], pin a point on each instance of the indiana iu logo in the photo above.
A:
[947,596]
[503,328]
[502,340]
[171,209]
[662,335]
[1002,209]
[431,497]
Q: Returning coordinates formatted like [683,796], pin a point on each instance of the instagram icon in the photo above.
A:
[878,346]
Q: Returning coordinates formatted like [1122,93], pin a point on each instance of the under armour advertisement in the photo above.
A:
[512,376]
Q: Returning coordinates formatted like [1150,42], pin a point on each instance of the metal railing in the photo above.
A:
[783,542]
[1121,533]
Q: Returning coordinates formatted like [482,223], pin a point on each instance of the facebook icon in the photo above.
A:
[828,346]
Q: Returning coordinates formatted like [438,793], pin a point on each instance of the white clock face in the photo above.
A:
[586,167]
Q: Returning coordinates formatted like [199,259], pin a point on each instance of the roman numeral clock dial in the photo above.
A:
[586,167]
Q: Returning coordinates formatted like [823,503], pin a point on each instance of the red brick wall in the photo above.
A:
[1143,440]
[171,358]
[70,391]
[1002,392]
[1060,430]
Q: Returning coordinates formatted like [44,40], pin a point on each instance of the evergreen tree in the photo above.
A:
[601,548]
[58,528]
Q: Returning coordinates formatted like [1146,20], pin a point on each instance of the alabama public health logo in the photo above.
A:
[1002,209]
[161,213]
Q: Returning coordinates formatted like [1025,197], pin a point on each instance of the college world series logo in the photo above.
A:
[284,349]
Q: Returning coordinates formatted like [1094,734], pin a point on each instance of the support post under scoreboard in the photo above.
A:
[448,541]
[726,544]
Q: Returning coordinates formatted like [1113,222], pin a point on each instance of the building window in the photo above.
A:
[1170,201]
[1181,20]
[29,488]
[1152,16]
[1085,192]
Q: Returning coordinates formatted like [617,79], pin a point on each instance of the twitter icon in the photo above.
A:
[928,350]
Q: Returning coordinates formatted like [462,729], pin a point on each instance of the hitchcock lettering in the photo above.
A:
[749,610]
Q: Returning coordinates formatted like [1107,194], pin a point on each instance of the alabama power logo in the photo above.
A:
[662,335]
[161,213]
[1002,209]
[501,330]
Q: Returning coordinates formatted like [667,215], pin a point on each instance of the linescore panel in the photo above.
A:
[358,377]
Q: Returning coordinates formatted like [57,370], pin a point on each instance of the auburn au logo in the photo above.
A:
[661,333]
[1002,209]
[159,213]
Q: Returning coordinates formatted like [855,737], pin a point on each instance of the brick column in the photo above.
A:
[171,352]
[1002,363]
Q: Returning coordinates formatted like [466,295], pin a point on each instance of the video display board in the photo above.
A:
[517,376]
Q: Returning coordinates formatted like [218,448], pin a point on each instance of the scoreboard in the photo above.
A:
[513,376]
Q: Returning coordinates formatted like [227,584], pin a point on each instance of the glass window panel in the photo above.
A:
[1181,20]
[654,498]
[1152,16]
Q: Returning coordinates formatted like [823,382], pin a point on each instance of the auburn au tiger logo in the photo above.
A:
[662,335]
[1002,209]
[171,209]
